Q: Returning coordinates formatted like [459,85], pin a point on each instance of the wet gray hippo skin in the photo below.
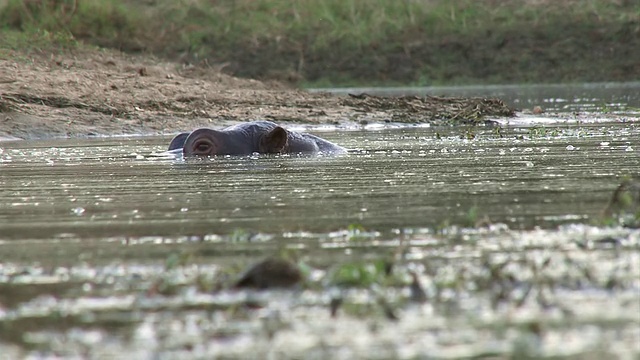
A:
[178,141]
[262,137]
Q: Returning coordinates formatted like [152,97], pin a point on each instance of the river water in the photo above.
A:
[612,98]
[392,178]
[502,226]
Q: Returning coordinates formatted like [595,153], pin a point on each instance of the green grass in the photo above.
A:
[348,42]
[36,40]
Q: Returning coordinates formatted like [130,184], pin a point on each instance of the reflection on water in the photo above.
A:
[109,251]
[617,98]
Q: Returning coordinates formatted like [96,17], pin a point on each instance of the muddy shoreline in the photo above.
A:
[87,93]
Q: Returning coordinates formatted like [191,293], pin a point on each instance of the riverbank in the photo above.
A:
[87,91]
[343,43]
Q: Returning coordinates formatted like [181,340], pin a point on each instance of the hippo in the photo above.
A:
[264,137]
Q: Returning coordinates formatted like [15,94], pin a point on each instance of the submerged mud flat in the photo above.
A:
[422,242]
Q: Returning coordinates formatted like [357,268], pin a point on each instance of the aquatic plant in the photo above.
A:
[357,232]
[624,206]
[361,274]
[542,131]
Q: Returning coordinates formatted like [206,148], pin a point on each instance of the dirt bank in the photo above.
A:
[100,92]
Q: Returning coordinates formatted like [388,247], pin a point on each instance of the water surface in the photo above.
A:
[495,222]
[616,98]
[411,177]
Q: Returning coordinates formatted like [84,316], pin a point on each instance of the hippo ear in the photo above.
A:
[275,141]
[178,141]
[201,142]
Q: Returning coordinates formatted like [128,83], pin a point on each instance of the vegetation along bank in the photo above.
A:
[353,42]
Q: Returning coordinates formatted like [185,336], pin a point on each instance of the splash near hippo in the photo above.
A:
[263,137]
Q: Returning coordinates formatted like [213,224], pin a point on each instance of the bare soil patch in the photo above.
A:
[101,92]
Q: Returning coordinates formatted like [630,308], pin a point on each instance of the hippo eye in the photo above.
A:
[202,147]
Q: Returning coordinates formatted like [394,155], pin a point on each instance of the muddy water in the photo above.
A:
[617,98]
[108,250]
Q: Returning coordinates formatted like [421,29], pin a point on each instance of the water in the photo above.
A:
[108,251]
[391,179]
[612,98]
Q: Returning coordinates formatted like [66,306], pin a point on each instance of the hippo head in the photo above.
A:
[203,142]
[209,142]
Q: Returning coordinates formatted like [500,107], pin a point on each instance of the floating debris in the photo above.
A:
[456,110]
[334,305]
[417,293]
[270,273]
[624,206]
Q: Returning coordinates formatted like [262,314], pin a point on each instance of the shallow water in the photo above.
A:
[494,221]
[394,178]
[612,98]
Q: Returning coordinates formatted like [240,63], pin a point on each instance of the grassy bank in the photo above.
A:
[349,42]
